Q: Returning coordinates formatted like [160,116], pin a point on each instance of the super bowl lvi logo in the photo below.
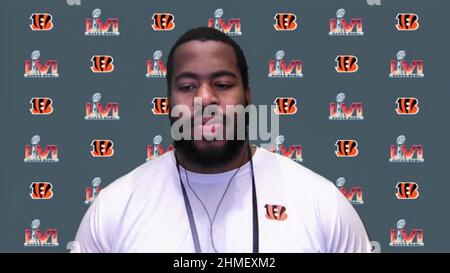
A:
[400,153]
[339,110]
[95,110]
[340,27]
[401,68]
[36,68]
[35,236]
[279,68]
[95,26]
[35,152]
[226,27]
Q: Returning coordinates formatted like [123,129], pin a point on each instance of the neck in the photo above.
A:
[241,159]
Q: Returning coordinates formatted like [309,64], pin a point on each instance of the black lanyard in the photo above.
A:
[192,220]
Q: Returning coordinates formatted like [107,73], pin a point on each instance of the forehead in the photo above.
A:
[204,57]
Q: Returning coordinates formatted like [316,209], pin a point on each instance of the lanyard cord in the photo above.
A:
[211,222]
[193,227]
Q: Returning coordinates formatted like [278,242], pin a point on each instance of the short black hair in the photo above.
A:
[207,34]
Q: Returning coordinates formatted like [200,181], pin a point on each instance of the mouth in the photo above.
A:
[209,127]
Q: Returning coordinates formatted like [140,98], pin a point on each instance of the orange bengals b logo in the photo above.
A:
[276,212]
[346,148]
[41,22]
[285,21]
[102,148]
[407,106]
[41,106]
[41,190]
[407,22]
[407,190]
[102,64]
[285,106]
[160,106]
[163,21]
[346,64]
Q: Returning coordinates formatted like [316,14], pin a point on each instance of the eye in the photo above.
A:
[223,86]
[186,87]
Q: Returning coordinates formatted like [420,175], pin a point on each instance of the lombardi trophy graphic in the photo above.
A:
[217,15]
[156,141]
[34,141]
[400,225]
[95,184]
[340,182]
[95,15]
[278,57]
[339,15]
[278,142]
[156,57]
[95,99]
[35,56]
[339,99]
[400,141]
[400,57]
[34,226]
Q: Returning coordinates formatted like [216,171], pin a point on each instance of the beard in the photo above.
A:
[210,153]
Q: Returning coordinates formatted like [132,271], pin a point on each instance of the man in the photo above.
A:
[218,195]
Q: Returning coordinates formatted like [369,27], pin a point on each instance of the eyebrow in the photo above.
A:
[216,74]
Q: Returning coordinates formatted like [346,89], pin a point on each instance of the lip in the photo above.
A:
[206,119]
[208,126]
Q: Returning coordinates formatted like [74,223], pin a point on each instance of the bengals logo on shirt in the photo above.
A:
[346,64]
[41,106]
[276,212]
[285,106]
[160,106]
[346,148]
[163,21]
[407,190]
[102,148]
[285,21]
[407,106]
[41,190]
[102,64]
[407,22]
[41,21]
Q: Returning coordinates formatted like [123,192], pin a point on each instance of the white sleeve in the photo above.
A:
[343,228]
[92,235]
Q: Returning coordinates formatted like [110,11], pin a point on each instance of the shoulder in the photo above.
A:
[136,189]
[292,174]
[314,196]
[141,177]
[316,201]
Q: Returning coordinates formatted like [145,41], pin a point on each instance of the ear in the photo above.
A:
[248,95]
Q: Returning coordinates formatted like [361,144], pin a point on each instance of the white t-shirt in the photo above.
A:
[298,211]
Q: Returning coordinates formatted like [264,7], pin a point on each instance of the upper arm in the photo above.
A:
[92,235]
[345,230]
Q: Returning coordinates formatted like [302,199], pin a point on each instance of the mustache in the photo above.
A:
[200,113]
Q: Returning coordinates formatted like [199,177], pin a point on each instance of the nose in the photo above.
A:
[208,95]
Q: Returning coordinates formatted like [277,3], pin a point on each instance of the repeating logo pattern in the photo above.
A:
[282,65]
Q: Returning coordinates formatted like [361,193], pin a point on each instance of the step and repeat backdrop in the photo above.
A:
[358,86]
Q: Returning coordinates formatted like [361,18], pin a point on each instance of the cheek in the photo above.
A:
[233,98]
[181,99]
